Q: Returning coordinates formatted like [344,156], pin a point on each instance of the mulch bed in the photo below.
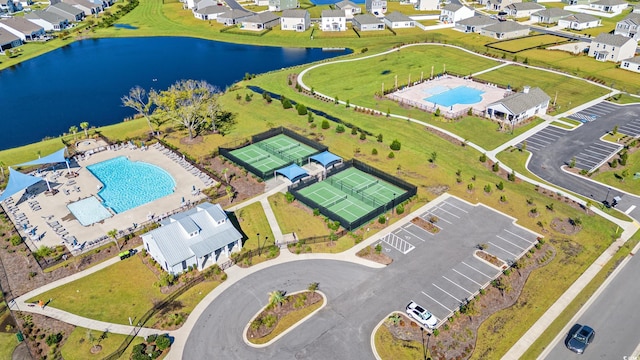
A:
[427,225]
[370,253]
[456,339]
[246,186]
[564,226]
[36,328]
[490,258]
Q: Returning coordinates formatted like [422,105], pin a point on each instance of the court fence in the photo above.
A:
[227,149]
[378,208]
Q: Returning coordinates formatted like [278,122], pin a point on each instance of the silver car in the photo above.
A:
[421,315]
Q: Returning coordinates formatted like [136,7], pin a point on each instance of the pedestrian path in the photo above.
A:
[273,223]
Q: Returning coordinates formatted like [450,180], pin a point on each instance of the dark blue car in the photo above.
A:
[580,339]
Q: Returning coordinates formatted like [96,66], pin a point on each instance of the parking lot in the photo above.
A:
[595,155]
[592,113]
[631,128]
[544,137]
[446,284]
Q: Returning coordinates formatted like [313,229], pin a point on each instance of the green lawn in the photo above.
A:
[571,92]
[8,342]
[290,219]
[614,176]
[78,346]
[183,304]
[528,42]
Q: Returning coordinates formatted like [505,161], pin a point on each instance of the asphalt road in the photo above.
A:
[614,316]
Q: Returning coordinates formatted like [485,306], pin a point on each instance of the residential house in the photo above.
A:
[49,21]
[261,2]
[86,6]
[500,5]
[632,64]
[505,30]
[333,20]
[233,16]
[475,24]
[194,238]
[398,20]
[549,16]
[351,9]
[519,107]
[523,10]
[427,5]
[261,21]
[296,20]
[280,5]
[577,2]
[104,3]
[367,22]
[579,21]
[452,13]
[376,7]
[609,6]
[67,11]
[23,28]
[609,47]
[629,25]
[10,6]
[8,41]
[209,10]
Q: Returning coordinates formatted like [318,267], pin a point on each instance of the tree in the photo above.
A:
[85,126]
[572,163]
[625,173]
[140,101]
[114,234]
[313,286]
[433,157]
[614,131]
[73,130]
[524,146]
[224,172]
[276,297]
[2,165]
[576,222]
[186,103]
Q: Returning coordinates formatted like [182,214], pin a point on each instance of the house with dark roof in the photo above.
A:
[519,107]
[549,16]
[522,10]
[632,64]
[505,30]
[280,5]
[194,238]
[367,22]
[500,5]
[629,25]
[23,28]
[579,21]
[398,20]
[452,13]
[209,10]
[475,24]
[49,21]
[610,47]
[233,16]
[67,11]
[261,21]
[350,8]
[376,7]
[295,20]
[8,41]
[609,6]
[333,20]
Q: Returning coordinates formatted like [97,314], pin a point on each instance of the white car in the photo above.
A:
[421,315]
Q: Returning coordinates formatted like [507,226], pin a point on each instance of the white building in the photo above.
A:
[453,13]
[579,21]
[398,20]
[197,237]
[609,6]
[367,22]
[518,107]
[333,20]
[632,64]
[629,25]
[522,10]
[376,7]
[608,47]
[426,5]
[295,20]
[350,8]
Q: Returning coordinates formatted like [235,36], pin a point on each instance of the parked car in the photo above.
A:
[580,339]
[421,315]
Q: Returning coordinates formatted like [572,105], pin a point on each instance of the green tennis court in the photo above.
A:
[273,153]
[358,183]
[336,201]
[259,158]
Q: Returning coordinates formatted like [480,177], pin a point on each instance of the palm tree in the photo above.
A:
[276,297]
[84,126]
[114,233]
[74,131]
[2,169]
[224,172]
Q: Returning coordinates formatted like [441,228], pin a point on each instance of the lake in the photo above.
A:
[85,80]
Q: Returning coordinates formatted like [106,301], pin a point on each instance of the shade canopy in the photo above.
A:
[17,182]
[326,158]
[56,157]
[292,172]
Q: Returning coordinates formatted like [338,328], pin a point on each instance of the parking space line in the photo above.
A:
[450,213]
[429,213]
[516,235]
[503,239]
[470,293]
[457,207]
[439,288]
[630,209]
[438,302]
[478,271]
[508,252]
[412,234]
[468,278]
[398,243]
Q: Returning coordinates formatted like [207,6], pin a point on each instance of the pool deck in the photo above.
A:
[54,207]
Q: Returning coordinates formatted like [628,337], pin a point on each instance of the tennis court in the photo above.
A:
[273,153]
[354,182]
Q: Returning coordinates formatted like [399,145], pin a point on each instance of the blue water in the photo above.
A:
[128,184]
[125,26]
[438,89]
[89,211]
[460,95]
[85,80]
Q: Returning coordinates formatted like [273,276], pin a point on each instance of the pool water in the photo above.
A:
[128,184]
[89,211]
[459,95]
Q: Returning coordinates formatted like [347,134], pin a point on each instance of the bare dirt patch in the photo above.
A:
[245,184]
[490,258]
[565,226]
[371,253]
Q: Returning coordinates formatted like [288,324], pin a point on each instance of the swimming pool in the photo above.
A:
[128,184]
[89,211]
[459,95]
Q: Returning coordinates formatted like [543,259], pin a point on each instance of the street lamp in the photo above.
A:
[258,235]
[393,204]
[606,199]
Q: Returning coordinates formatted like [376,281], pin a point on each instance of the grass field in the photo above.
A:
[290,219]
[614,177]
[183,304]
[77,345]
[8,342]
[528,42]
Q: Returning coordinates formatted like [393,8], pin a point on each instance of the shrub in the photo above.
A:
[340,129]
[53,339]
[483,158]
[374,151]
[302,110]
[500,185]
[310,117]
[382,219]
[512,176]
[363,136]
[290,197]
[391,155]
[325,124]
[316,212]
[378,248]
[437,113]
[163,342]
[269,320]
[247,98]
[379,138]
[16,240]
[496,167]
[487,188]
[470,186]
[354,130]
[395,145]
[400,209]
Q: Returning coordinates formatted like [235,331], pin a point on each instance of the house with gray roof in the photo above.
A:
[398,20]
[500,5]
[609,6]
[23,28]
[261,21]
[280,5]
[519,107]
[89,8]
[376,7]
[350,8]
[333,20]
[632,64]
[629,25]
[452,13]
[295,20]
[505,30]
[367,22]
[522,10]
[475,24]
[67,11]
[233,17]
[427,5]
[610,47]
[195,238]
[209,10]
[8,41]
[579,21]
[549,16]
[48,20]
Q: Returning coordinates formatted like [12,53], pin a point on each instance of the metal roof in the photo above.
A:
[521,102]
